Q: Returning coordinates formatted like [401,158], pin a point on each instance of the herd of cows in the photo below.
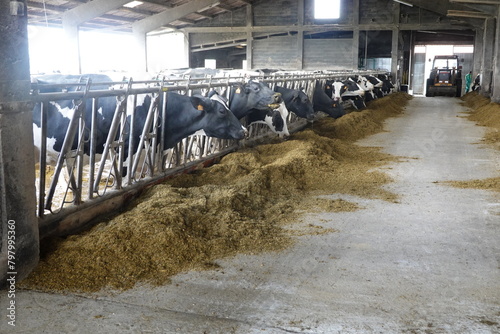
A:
[214,114]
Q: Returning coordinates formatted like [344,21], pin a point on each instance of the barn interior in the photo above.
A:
[421,256]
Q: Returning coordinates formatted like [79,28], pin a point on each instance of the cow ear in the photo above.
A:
[198,103]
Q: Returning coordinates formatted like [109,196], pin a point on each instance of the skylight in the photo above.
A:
[326,9]
[133,4]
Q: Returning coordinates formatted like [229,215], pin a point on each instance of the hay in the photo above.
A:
[484,113]
[246,203]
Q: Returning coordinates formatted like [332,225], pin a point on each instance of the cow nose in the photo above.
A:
[310,118]
[277,98]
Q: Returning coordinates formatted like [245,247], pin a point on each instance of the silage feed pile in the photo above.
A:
[484,113]
[248,203]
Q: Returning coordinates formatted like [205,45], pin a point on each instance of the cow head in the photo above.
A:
[253,95]
[297,102]
[364,83]
[338,88]
[219,121]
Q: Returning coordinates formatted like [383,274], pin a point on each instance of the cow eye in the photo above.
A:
[222,111]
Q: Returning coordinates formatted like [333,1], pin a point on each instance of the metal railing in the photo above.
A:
[87,181]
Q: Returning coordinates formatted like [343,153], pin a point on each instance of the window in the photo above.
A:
[326,9]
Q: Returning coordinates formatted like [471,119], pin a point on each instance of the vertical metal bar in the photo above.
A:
[79,157]
[93,137]
[131,130]
[43,158]
[161,164]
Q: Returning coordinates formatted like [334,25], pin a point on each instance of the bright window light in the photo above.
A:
[463,49]
[133,4]
[420,49]
[326,9]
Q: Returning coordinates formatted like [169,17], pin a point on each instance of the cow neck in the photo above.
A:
[239,109]
[183,124]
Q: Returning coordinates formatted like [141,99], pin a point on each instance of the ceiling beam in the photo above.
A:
[469,13]
[90,10]
[478,2]
[158,20]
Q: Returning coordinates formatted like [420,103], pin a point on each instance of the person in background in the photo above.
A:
[468,79]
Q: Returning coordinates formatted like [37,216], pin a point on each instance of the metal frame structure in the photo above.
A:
[100,180]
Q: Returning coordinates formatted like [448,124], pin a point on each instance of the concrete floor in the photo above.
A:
[428,264]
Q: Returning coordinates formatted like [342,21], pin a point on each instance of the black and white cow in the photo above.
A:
[347,90]
[243,98]
[366,85]
[377,85]
[322,102]
[184,116]
[387,85]
[275,119]
[297,102]
[261,104]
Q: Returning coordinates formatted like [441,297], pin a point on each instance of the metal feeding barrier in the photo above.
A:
[77,183]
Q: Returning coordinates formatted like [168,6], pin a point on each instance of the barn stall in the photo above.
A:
[368,31]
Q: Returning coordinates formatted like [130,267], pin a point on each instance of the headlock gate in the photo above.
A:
[80,187]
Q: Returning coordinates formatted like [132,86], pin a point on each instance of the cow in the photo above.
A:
[476,86]
[243,98]
[387,85]
[377,85]
[322,102]
[184,116]
[347,90]
[297,102]
[366,85]
[274,118]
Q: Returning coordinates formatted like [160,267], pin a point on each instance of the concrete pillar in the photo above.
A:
[478,53]
[300,35]
[495,92]
[17,166]
[249,37]
[395,56]
[395,49]
[488,50]
[140,50]
[73,64]
[355,35]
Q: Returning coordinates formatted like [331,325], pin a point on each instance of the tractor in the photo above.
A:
[445,77]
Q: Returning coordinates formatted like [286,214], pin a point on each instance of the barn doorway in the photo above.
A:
[423,56]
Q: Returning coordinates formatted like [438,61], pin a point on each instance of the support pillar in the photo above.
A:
[19,248]
[300,35]
[488,50]
[140,50]
[495,91]
[478,53]
[355,35]
[249,37]
[72,48]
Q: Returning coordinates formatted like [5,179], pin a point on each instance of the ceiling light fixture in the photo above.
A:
[403,3]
